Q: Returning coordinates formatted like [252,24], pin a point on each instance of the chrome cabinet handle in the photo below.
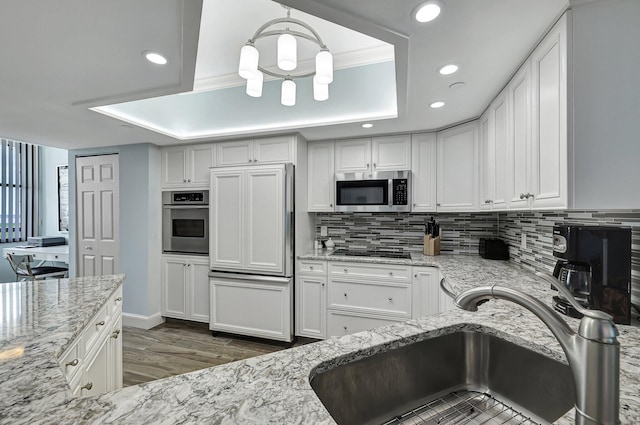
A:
[189,180]
[87,386]
[250,160]
[323,285]
[73,362]
[390,298]
[115,334]
[310,267]
[437,205]
[415,205]
[88,248]
[184,180]
[345,328]
[367,165]
[331,205]
[345,294]
[345,270]
[522,196]
[374,165]
[390,273]
[100,323]
[119,299]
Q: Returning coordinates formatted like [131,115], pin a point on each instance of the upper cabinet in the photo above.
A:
[423,167]
[494,164]
[377,154]
[519,141]
[272,150]
[187,166]
[458,168]
[321,186]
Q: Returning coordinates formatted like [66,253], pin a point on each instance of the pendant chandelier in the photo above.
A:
[250,70]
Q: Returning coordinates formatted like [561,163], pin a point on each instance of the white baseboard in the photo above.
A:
[140,321]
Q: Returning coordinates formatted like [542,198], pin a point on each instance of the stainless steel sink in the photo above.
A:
[420,380]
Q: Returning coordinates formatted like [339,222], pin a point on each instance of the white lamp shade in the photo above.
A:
[287,52]
[254,85]
[320,91]
[288,95]
[248,67]
[324,67]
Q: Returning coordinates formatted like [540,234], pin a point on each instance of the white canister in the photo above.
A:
[330,244]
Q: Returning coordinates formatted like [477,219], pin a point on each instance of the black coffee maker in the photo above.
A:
[595,266]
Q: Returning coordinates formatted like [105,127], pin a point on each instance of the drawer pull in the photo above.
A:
[390,298]
[390,273]
[345,294]
[100,323]
[73,362]
[345,328]
[119,299]
[345,270]
[323,285]
[87,387]
[310,267]
[115,334]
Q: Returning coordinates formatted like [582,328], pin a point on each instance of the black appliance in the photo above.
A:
[378,191]
[595,266]
[185,222]
[493,249]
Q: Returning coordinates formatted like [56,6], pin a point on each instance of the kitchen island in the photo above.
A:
[275,388]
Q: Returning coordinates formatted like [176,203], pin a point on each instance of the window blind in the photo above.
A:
[18,190]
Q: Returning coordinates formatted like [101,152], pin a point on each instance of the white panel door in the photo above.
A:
[423,148]
[458,168]
[264,237]
[312,306]
[98,209]
[487,157]
[549,144]
[519,93]
[274,150]
[235,153]
[391,153]
[265,312]
[353,155]
[320,178]
[174,287]
[198,271]
[201,158]
[499,109]
[226,211]
[426,291]
[174,166]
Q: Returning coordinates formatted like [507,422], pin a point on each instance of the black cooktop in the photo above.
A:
[363,253]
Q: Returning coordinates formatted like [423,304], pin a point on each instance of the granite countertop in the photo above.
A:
[275,388]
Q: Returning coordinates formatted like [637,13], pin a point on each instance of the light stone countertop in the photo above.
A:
[275,388]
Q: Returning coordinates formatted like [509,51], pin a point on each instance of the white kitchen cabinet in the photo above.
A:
[312,306]
[115,355]
[185,287]
[458,168]
[248,234]
[270,150]
[486,160]
[519,140]
[423,166]
[494,163]
[320,177]
[426,291]
[266,307]
[340,323]
[549,135]
[187,166]
[388,153]
[96,379]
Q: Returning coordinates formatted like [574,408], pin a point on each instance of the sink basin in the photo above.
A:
[388,386]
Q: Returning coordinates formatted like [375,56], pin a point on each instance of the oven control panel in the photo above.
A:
[200,197]
[400,192]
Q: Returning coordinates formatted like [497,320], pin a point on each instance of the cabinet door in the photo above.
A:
[321,183]
[201,158]
[264,214]
[426,295]
[174,167]
[95,379]
[487,147]
[500,113]
[391,153]
[423,166]
[353,155]
[226,243]
[235,153]
[519,93]
[341,323]
[174,291]
[312,306]
[458,168]
[115,356]
[199,290]
[255,308]
[274,150]
[549,144]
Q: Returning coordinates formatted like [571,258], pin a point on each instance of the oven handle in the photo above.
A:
[185,207]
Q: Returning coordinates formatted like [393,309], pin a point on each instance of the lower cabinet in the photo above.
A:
[185,287]
[311,306]
[340,323]
[92,364]
[427,299]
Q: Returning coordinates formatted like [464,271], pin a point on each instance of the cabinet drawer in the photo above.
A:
[395,273]
[339,324]
[377,298]
[96,327]
[313,267]
[115,303]
[71,361]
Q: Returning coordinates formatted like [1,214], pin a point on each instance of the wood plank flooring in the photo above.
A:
[178,346]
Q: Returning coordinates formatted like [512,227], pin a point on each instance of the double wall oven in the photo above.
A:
[185,222]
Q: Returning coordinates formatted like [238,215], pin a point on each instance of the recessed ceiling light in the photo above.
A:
[367,125]
[428,11]
[436,105]
[155,57]
[448,69]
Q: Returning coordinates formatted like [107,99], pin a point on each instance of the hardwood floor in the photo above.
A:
[178,346]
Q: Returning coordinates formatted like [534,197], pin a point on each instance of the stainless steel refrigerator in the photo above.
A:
[251,250]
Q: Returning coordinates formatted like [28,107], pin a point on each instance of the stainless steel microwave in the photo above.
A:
[380,191]
[185,222]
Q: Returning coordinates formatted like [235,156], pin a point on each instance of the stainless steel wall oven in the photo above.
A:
[185,222]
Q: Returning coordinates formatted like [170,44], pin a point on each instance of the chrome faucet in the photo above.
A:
[593,353]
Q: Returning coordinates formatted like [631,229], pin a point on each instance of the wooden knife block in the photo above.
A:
[431,245]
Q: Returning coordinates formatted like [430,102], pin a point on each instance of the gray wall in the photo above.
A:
[140,212]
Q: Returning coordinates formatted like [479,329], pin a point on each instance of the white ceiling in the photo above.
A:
[59,58]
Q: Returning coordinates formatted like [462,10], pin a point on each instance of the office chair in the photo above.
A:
[23,270]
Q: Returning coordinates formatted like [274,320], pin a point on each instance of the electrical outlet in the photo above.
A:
[523,241]
[323,230]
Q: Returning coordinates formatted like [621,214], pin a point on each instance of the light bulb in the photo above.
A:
[324,67]
[254,85]
[287,52]
[320,91]
[248,66]
[288,95]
